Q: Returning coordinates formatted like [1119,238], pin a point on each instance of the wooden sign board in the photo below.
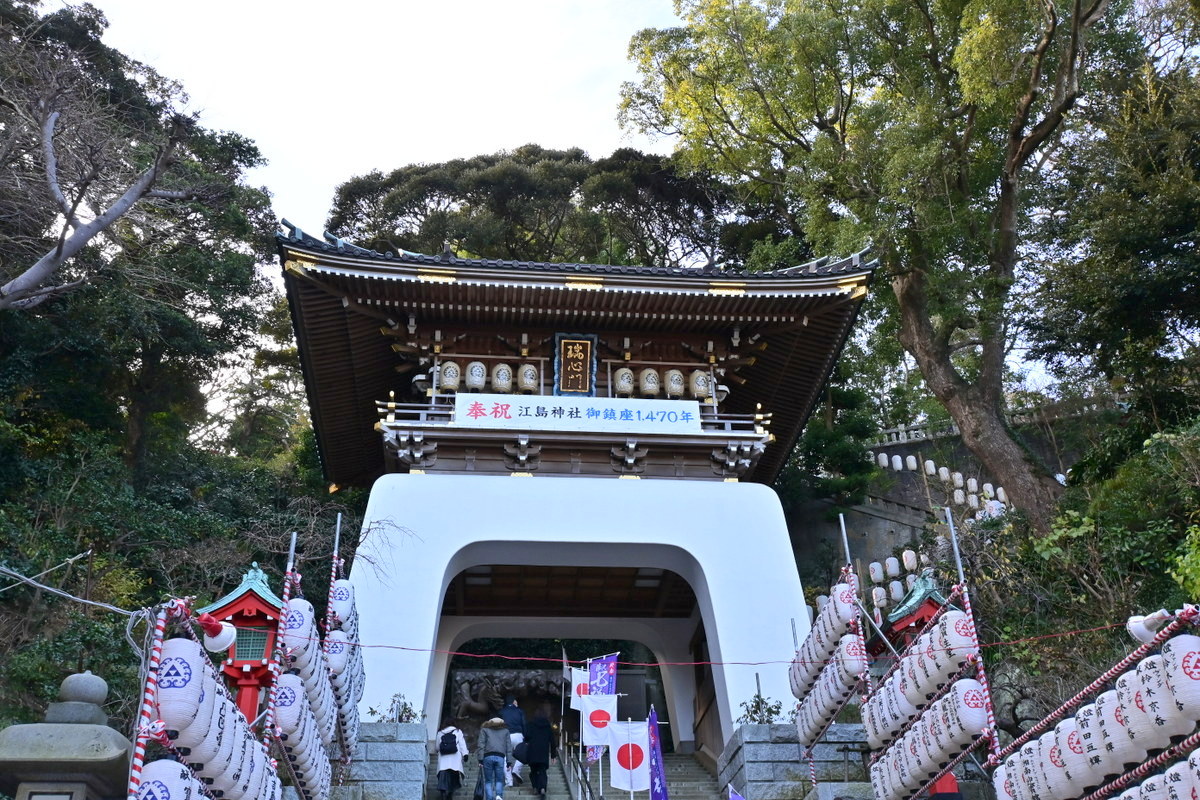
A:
[575,364]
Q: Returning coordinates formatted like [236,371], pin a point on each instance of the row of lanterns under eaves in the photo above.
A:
[526,380]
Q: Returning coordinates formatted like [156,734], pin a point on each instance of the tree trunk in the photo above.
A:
[977,408]
[986,434]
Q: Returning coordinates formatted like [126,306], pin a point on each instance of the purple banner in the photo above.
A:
[658,773]
[602,679]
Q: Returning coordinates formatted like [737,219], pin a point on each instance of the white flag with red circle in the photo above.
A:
[580,685]
[629,756]
[597,711]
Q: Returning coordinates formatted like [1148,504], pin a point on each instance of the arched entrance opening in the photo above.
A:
[725,543]
[530,670]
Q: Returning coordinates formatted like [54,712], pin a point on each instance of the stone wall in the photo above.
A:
[389,764]
[764,762]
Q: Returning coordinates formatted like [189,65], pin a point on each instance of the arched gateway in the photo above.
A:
[569,451]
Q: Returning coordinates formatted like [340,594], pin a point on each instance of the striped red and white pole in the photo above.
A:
[1146,767]
[981,676]
[268,730]
[149,701]
[812,768]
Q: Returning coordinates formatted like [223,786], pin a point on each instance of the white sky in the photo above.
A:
[329,91]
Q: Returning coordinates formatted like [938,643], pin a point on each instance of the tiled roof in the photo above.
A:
[330,244]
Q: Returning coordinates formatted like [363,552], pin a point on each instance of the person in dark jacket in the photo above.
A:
[514,717]
[543,749]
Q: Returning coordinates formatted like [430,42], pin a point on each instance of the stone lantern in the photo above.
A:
[72,755]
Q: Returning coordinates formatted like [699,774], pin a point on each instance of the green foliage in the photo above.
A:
[533,203]
[831,460]
[759,710]
[398,710]
[116,479]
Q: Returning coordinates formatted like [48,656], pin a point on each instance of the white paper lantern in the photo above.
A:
[910,462]
[1178,781]
[1001,495]
[1181,662]
[450,377]
[896,591]
[875,571]
[502,378]
[476,376]
[342,598]
[897,463]
[528,381]
[648,382]
[845,607]
[892,567]
[879,597]
[1070,747]
[943,474]
[1114,737]
[167,779]
[1001,784]
[1096,763]
[972,485]
[1159,702]
[959,497]
[909,558]
[882,460]
[988,491]
[1153,788]
[852,657]
[930,468]
[1058,781]
[180,682]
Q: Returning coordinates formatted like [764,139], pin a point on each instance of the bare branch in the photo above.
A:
[50,159]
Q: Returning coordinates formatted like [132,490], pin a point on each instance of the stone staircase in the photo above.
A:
[686,780]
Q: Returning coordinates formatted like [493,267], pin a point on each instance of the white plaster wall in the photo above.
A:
[728,540]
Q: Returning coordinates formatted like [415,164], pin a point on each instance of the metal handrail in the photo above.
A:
[581,788]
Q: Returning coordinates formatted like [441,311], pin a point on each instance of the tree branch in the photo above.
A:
[25,286]
[50,160]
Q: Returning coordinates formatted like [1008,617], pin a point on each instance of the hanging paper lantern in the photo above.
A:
[1114,737]
[875,571]
[167,779]
[180,682]
[1181,662]
[1178,781]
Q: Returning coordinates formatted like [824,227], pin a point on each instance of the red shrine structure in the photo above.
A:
[254,610]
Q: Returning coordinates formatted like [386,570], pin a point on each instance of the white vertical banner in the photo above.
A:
[629,756]
[598,712]
[579,686]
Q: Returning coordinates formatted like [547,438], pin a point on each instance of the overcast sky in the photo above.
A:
[332,90]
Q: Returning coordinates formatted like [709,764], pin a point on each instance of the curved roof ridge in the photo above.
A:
[296,237]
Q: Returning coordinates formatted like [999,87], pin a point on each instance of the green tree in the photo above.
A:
[93,147]
[554,205]
[914,126]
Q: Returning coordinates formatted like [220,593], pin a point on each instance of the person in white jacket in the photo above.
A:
[450,765]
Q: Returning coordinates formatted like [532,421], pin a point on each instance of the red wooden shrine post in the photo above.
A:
[254,610]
